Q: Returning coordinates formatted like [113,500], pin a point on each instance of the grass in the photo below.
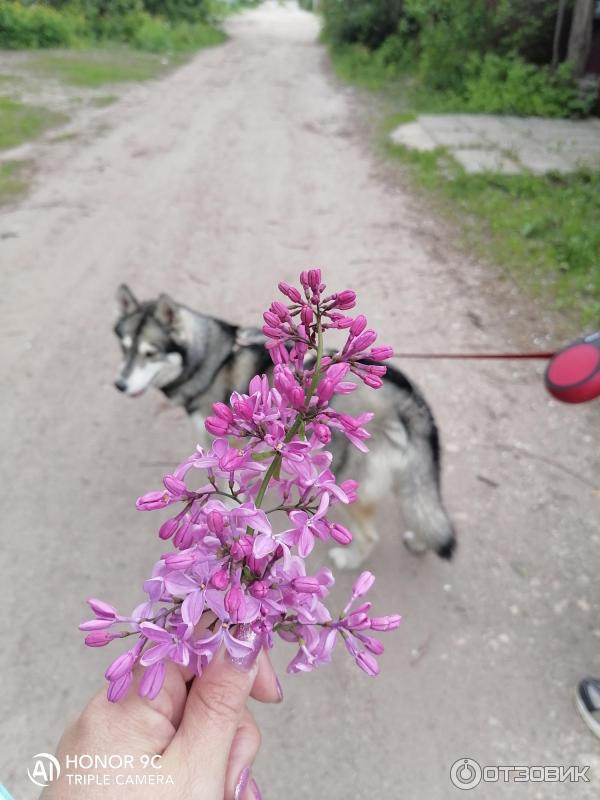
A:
[20,122]
[93,68]
[541,230]
[13,180]
[104,100]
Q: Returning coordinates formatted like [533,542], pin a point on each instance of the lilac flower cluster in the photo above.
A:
[231,572]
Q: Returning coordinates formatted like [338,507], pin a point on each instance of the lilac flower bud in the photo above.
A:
[237,552]
[362,584]
[223,412]
[244,409]
[290,291]
[297,397]
[179,561]
[358,326]
[152,501]
[358,621]
[314,279]
[118,689]
[368,663]
[216,426]
[279,353]
[96,624]
[272,320]
[176,487]
[120,666]
[280,310]
[325,391]
[341,534]
[381,353]
[100,638]
[322,432]
[388,623]
[101,609]
[233,601]
[372,381]
[215,522]
[152,680]
[341,322]
[306,584]
[184,536]
[374,645]
[259,590]
[271,332]
[306,315]
[168,528]
[363,341]
[220,579]
[346,299]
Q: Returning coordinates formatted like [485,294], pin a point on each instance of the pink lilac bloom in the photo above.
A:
[230,570]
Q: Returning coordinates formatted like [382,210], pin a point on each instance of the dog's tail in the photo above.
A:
[419,474]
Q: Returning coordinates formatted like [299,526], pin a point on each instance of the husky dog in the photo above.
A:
[197,360]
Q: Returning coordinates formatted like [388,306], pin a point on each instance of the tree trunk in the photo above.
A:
[560,18]
[580,38]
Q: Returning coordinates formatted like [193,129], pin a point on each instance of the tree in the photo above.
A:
[580,38]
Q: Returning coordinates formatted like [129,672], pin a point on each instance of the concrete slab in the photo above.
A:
[485,142]
[413,136]
[475,160]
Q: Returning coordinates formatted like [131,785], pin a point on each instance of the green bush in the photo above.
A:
[160,36]
[367,22]
[448,31]
[498,85]
[178,10]
[37,26]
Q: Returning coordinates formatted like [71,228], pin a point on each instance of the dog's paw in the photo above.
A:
[345,558]
[413,544]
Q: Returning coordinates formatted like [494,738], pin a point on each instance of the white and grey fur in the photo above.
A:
[197,360]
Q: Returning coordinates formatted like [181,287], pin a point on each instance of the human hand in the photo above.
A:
[201,728]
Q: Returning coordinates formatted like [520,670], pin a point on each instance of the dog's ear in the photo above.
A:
[126,302]
[167,311]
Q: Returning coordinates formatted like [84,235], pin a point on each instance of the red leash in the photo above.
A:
[468,356]
[572,374]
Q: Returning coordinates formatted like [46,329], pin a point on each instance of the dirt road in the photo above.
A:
[243,167]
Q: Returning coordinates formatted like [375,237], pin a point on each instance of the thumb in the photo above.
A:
[212,715]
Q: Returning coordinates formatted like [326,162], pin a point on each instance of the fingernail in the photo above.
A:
[279,689]
[245,633]
[242,783]
[255,789]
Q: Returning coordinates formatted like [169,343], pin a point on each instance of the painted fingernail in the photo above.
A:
[242,783]
[245,633]
[255,789]
[279,689]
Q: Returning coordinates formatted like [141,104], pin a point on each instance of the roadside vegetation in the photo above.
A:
[13,180]
[87,44]
[20,122]
[173,26]
[448,56]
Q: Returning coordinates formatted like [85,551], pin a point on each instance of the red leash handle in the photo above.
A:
[573,374]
